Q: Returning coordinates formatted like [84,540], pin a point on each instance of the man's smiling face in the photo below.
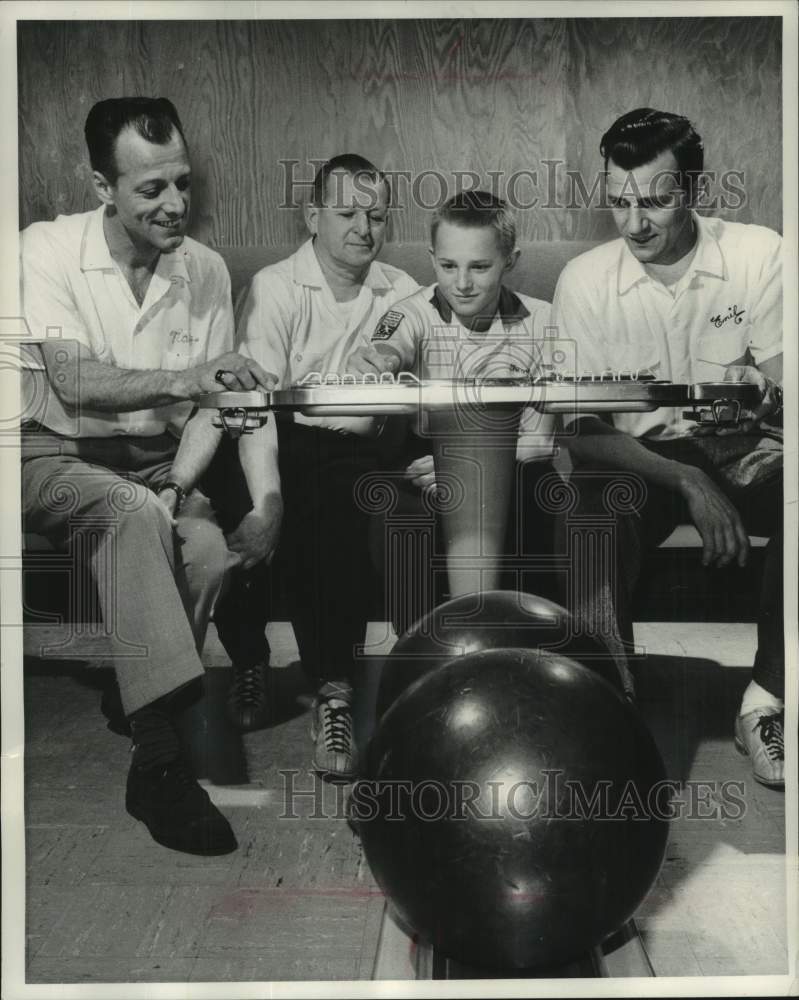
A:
[151,192]
[651,211]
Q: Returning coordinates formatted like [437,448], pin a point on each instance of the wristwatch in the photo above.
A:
[180,493]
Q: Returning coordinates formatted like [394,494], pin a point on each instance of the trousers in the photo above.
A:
[616,517]
[157,584]
[322,560]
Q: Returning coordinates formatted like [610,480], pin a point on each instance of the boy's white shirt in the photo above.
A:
[433,343]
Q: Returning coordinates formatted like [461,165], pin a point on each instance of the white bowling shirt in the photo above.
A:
[290,323]
[73,289]
[432,343]
[726,308]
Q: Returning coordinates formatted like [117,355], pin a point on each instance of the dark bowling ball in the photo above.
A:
[492,619]
[511,809]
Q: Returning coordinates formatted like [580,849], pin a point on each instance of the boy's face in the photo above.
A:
[470,267]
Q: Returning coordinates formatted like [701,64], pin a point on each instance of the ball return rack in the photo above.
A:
[400,956]
[318,394]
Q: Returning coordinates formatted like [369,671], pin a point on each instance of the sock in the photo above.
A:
[155,739]
[756,696]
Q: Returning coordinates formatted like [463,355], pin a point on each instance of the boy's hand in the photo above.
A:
[365,360]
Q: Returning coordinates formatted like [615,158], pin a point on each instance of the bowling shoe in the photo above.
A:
[246,701]
[177,810]
[331,732]
[759,735]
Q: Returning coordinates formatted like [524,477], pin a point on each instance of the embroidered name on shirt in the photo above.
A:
[388,324]
[182,337]
[733,313]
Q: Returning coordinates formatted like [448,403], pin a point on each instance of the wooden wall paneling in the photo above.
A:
[412,95]
[724,74]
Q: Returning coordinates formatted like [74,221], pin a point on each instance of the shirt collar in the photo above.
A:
[95,255]
[708,258]
[510,309]
[306,270]
[94,252]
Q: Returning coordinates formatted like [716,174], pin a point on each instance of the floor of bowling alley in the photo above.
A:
[104,903]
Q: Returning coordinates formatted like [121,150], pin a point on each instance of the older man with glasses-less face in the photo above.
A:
[309,313]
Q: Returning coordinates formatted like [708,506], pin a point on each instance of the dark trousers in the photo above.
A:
[322,562]
[615,518]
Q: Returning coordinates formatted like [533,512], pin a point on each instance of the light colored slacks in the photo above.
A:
[157,584]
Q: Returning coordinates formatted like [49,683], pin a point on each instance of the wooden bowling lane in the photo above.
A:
[400,957]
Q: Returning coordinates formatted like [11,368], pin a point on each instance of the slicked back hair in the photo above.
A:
[642,135]
[154,118]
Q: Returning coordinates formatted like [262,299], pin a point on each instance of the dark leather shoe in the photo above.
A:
[177,811]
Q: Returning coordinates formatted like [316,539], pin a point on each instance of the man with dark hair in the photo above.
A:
[306,314]
[689,299]
[153,118]
[133,320]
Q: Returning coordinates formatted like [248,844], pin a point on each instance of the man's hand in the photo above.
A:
[365,360]
[257,535]
[771,402]
[237,374]
[168,499]
[718,522]
[422,473]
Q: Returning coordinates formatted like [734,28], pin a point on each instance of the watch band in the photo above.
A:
[180,493]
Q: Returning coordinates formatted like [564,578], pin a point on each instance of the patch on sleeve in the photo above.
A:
[388,324]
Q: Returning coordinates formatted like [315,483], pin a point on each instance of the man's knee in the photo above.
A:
[204,550]
[91,499]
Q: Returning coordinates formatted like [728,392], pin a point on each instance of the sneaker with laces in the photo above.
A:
[177,810]
[759,734]
[331,732]
[246,701]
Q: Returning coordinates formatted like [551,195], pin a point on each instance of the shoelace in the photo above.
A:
[771,734]
[248,685]
[337,725]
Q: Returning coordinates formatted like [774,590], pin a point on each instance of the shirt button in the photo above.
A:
[298,357]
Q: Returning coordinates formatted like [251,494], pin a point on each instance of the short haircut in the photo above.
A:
[642,135]
[154,118]
[347,163]
[475,209]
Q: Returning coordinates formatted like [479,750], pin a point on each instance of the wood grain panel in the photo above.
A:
[722,73]
[495,97]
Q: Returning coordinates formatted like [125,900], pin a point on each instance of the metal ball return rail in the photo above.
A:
[718,403]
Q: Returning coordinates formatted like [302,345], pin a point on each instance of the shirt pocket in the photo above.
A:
[635,357]
[718,349]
